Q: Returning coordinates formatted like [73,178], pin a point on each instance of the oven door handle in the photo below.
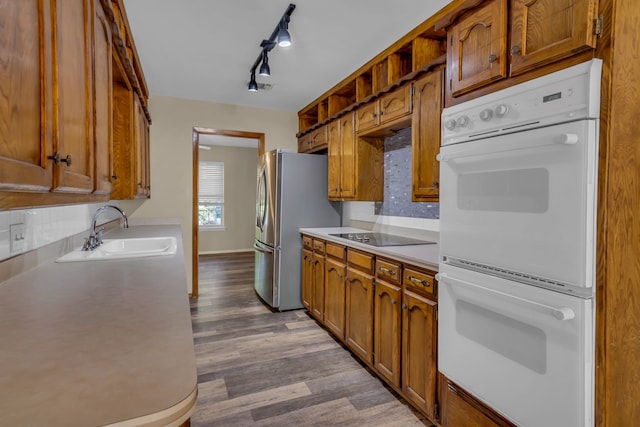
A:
[560,313]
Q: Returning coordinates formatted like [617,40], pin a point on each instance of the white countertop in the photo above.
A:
[419,255]
[98,343]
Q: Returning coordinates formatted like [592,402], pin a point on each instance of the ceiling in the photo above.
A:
[204,49]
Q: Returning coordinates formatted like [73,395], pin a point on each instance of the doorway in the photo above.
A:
[206,137]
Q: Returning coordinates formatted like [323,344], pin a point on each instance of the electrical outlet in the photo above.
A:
[16,238]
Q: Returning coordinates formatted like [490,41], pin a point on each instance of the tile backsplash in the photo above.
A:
[42,226]
[397,181]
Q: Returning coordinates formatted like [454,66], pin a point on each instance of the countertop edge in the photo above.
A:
[170,417]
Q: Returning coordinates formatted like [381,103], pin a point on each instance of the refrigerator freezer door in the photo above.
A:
[266,199]
[265,282]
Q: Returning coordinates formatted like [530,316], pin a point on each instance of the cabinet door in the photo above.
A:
[367,116]
[477,46]
[75,97]
[386,336]
[317,301]
[544,31]
[307,279]
[395,104]
[141,147]
[419,338]
[359,313]
[102,92]
[425,137]
[347,157]
[26,100]
[334,295]
[333,159]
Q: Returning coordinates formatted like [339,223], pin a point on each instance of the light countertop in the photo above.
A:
[419,255]
[98,343]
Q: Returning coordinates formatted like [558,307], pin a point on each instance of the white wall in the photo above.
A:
[240,175]
[171,155]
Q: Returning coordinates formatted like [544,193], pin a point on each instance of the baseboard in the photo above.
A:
[232,251]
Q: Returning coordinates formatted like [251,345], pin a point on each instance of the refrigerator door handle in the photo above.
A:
[262,249]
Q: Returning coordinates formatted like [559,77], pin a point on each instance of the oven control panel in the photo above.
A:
[552,99]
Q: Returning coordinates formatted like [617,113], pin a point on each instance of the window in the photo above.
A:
[211,195]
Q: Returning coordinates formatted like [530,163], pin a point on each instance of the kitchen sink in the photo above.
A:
[125,248]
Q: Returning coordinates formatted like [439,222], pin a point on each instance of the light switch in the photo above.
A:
[16,237]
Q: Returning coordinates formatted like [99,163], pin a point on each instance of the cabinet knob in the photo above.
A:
[492,58]
[404,306]
[393,301]
[515,50]
[114,176]
[435,184]
[57,159]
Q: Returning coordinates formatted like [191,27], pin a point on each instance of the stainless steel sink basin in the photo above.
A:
[125,248]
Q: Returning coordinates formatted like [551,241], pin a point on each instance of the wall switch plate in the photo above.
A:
[16,237]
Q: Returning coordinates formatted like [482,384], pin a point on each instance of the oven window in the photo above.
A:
[513,339]
[518,190]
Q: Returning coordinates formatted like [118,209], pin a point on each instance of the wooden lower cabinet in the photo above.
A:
[386,336]
[359,313]
[419,346]
[385,312]
[317,291]
[334,293]
[460,409]
[307,267]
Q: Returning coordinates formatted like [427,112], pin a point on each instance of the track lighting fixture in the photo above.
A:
[280,37]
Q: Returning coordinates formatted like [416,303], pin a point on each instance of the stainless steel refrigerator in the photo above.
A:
[291,193]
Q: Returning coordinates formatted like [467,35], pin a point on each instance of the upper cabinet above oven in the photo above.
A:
[506,38]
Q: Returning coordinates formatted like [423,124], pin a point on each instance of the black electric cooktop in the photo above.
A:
[380,239]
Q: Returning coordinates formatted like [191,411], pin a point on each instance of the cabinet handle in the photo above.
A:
[57,160]
[339,276]
[418,281]
[435,184]
[387,271]
[515,50]
[404,306]
[393,301]
[492,58]
[373,115]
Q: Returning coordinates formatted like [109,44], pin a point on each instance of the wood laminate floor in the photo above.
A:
[262,368]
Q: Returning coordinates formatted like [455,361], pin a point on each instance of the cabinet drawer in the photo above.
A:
[395,104]
[389,271]
[336,251]
[419,280]
[307,242]
[367,116]
[304,143]
[318,139]
[361,260]
[318,246]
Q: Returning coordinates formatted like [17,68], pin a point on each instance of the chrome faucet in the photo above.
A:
[95,237]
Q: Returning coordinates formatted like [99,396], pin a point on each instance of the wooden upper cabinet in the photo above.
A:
[73,139]
[102,95]
[26,96]
[425,136]
[395,104]
[477,48]
[347,157]
[544,31]
[333,159]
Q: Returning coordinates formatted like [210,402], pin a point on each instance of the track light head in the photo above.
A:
[284,38]
[264,68]
[253,85]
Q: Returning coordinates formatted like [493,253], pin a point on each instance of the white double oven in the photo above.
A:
[518,171]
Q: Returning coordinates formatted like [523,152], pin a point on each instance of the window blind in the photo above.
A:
[211,182]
